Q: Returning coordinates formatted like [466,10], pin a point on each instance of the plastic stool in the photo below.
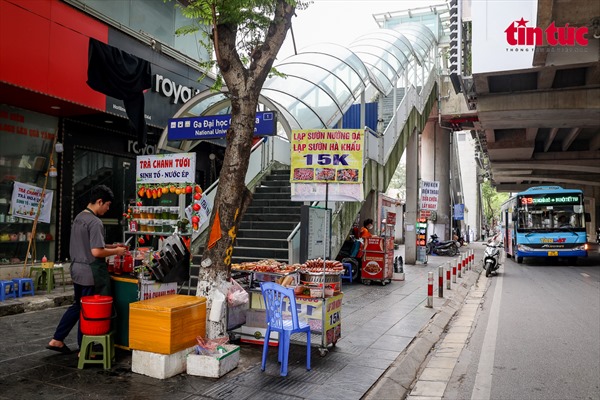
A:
[87,354]
[43,278]
[7,290]
[21,286]
[348,269]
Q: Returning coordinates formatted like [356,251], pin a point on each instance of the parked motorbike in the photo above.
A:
[491,257]
[446,248]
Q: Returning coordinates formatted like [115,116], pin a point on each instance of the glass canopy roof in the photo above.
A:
[324,80]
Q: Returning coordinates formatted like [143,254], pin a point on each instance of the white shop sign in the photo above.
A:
[166,168]
[430,191]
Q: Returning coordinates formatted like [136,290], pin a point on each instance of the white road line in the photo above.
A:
[584,275]
[483,381]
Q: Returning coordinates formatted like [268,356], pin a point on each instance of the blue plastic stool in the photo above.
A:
[22,285]
[7,290]
[348,274]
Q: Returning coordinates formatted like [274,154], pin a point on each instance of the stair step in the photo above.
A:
[276,195]
[274,189]
[271,243]
[274,203]
[263,233]
[273,210]
[259,225]
[273,183]
[263,217]
[260,252]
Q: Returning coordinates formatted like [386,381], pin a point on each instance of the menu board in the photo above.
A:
[315,233]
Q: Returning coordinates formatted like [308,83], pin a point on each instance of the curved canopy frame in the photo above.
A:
[324,80]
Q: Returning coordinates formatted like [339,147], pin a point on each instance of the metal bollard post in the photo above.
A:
[464,262]
[471,258]
[441,281]
[448,272]
[460,263]
[454,273]
[429,290]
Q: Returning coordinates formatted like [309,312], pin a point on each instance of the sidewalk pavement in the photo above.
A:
[387,333]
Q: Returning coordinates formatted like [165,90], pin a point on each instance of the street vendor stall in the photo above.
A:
[160,225]
[318,290]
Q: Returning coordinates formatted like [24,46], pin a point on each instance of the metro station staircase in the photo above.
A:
[265,227]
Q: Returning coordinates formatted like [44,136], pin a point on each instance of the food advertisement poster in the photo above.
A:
[327,156]
[166,168]
[26,199]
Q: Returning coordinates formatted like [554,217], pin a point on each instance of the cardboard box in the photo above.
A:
[166,324]
[214,366]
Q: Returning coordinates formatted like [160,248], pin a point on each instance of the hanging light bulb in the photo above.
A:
[52,171]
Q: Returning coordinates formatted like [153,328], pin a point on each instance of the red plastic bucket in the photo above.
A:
[96,313]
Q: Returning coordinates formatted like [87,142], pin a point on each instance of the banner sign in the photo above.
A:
[166,168]
[459,211]
[430,191]
[328,155]
[215,126]
[26,199]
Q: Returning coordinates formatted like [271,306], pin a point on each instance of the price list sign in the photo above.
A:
[327,155]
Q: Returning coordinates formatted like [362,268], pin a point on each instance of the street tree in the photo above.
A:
[492,200]
[245,36]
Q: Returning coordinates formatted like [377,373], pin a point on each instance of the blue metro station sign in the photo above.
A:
[215,126]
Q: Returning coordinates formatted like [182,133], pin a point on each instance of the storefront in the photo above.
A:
[44,96]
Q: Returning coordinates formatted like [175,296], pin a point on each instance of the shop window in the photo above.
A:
[23,169]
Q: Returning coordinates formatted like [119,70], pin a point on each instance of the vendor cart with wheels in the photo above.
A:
[378,260]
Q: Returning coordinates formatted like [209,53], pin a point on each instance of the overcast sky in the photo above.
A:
[341,21]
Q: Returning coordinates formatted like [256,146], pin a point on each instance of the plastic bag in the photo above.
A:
[208,347]
[236,295]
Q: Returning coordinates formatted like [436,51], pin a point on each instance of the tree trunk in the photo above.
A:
[233,197]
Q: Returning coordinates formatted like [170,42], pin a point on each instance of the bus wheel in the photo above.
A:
[519,259]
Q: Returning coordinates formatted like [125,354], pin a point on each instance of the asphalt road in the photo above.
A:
[537,335]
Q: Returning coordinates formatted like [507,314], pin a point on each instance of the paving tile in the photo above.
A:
[442,362]
[423,398]
[456,337]
[448,352]
[427,388]
[436,374]
[392,342]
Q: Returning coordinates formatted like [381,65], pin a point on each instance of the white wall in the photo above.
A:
[468,171]
[490,48]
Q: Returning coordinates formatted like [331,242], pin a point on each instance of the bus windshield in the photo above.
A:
[550,212]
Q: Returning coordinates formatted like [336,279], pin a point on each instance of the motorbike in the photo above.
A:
[491,257]
[446,248]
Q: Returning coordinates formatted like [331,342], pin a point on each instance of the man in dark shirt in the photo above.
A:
[88,268]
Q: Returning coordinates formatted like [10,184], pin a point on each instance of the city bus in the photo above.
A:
[545,221]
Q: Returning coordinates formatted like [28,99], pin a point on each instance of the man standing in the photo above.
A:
[89,271]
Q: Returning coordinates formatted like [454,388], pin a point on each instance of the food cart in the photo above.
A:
[378,258]
[317,285]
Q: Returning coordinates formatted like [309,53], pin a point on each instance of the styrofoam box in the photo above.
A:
[159,366]
[214,366]
[256,335]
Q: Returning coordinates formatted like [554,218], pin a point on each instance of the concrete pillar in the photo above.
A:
[412,197]
[435,166]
